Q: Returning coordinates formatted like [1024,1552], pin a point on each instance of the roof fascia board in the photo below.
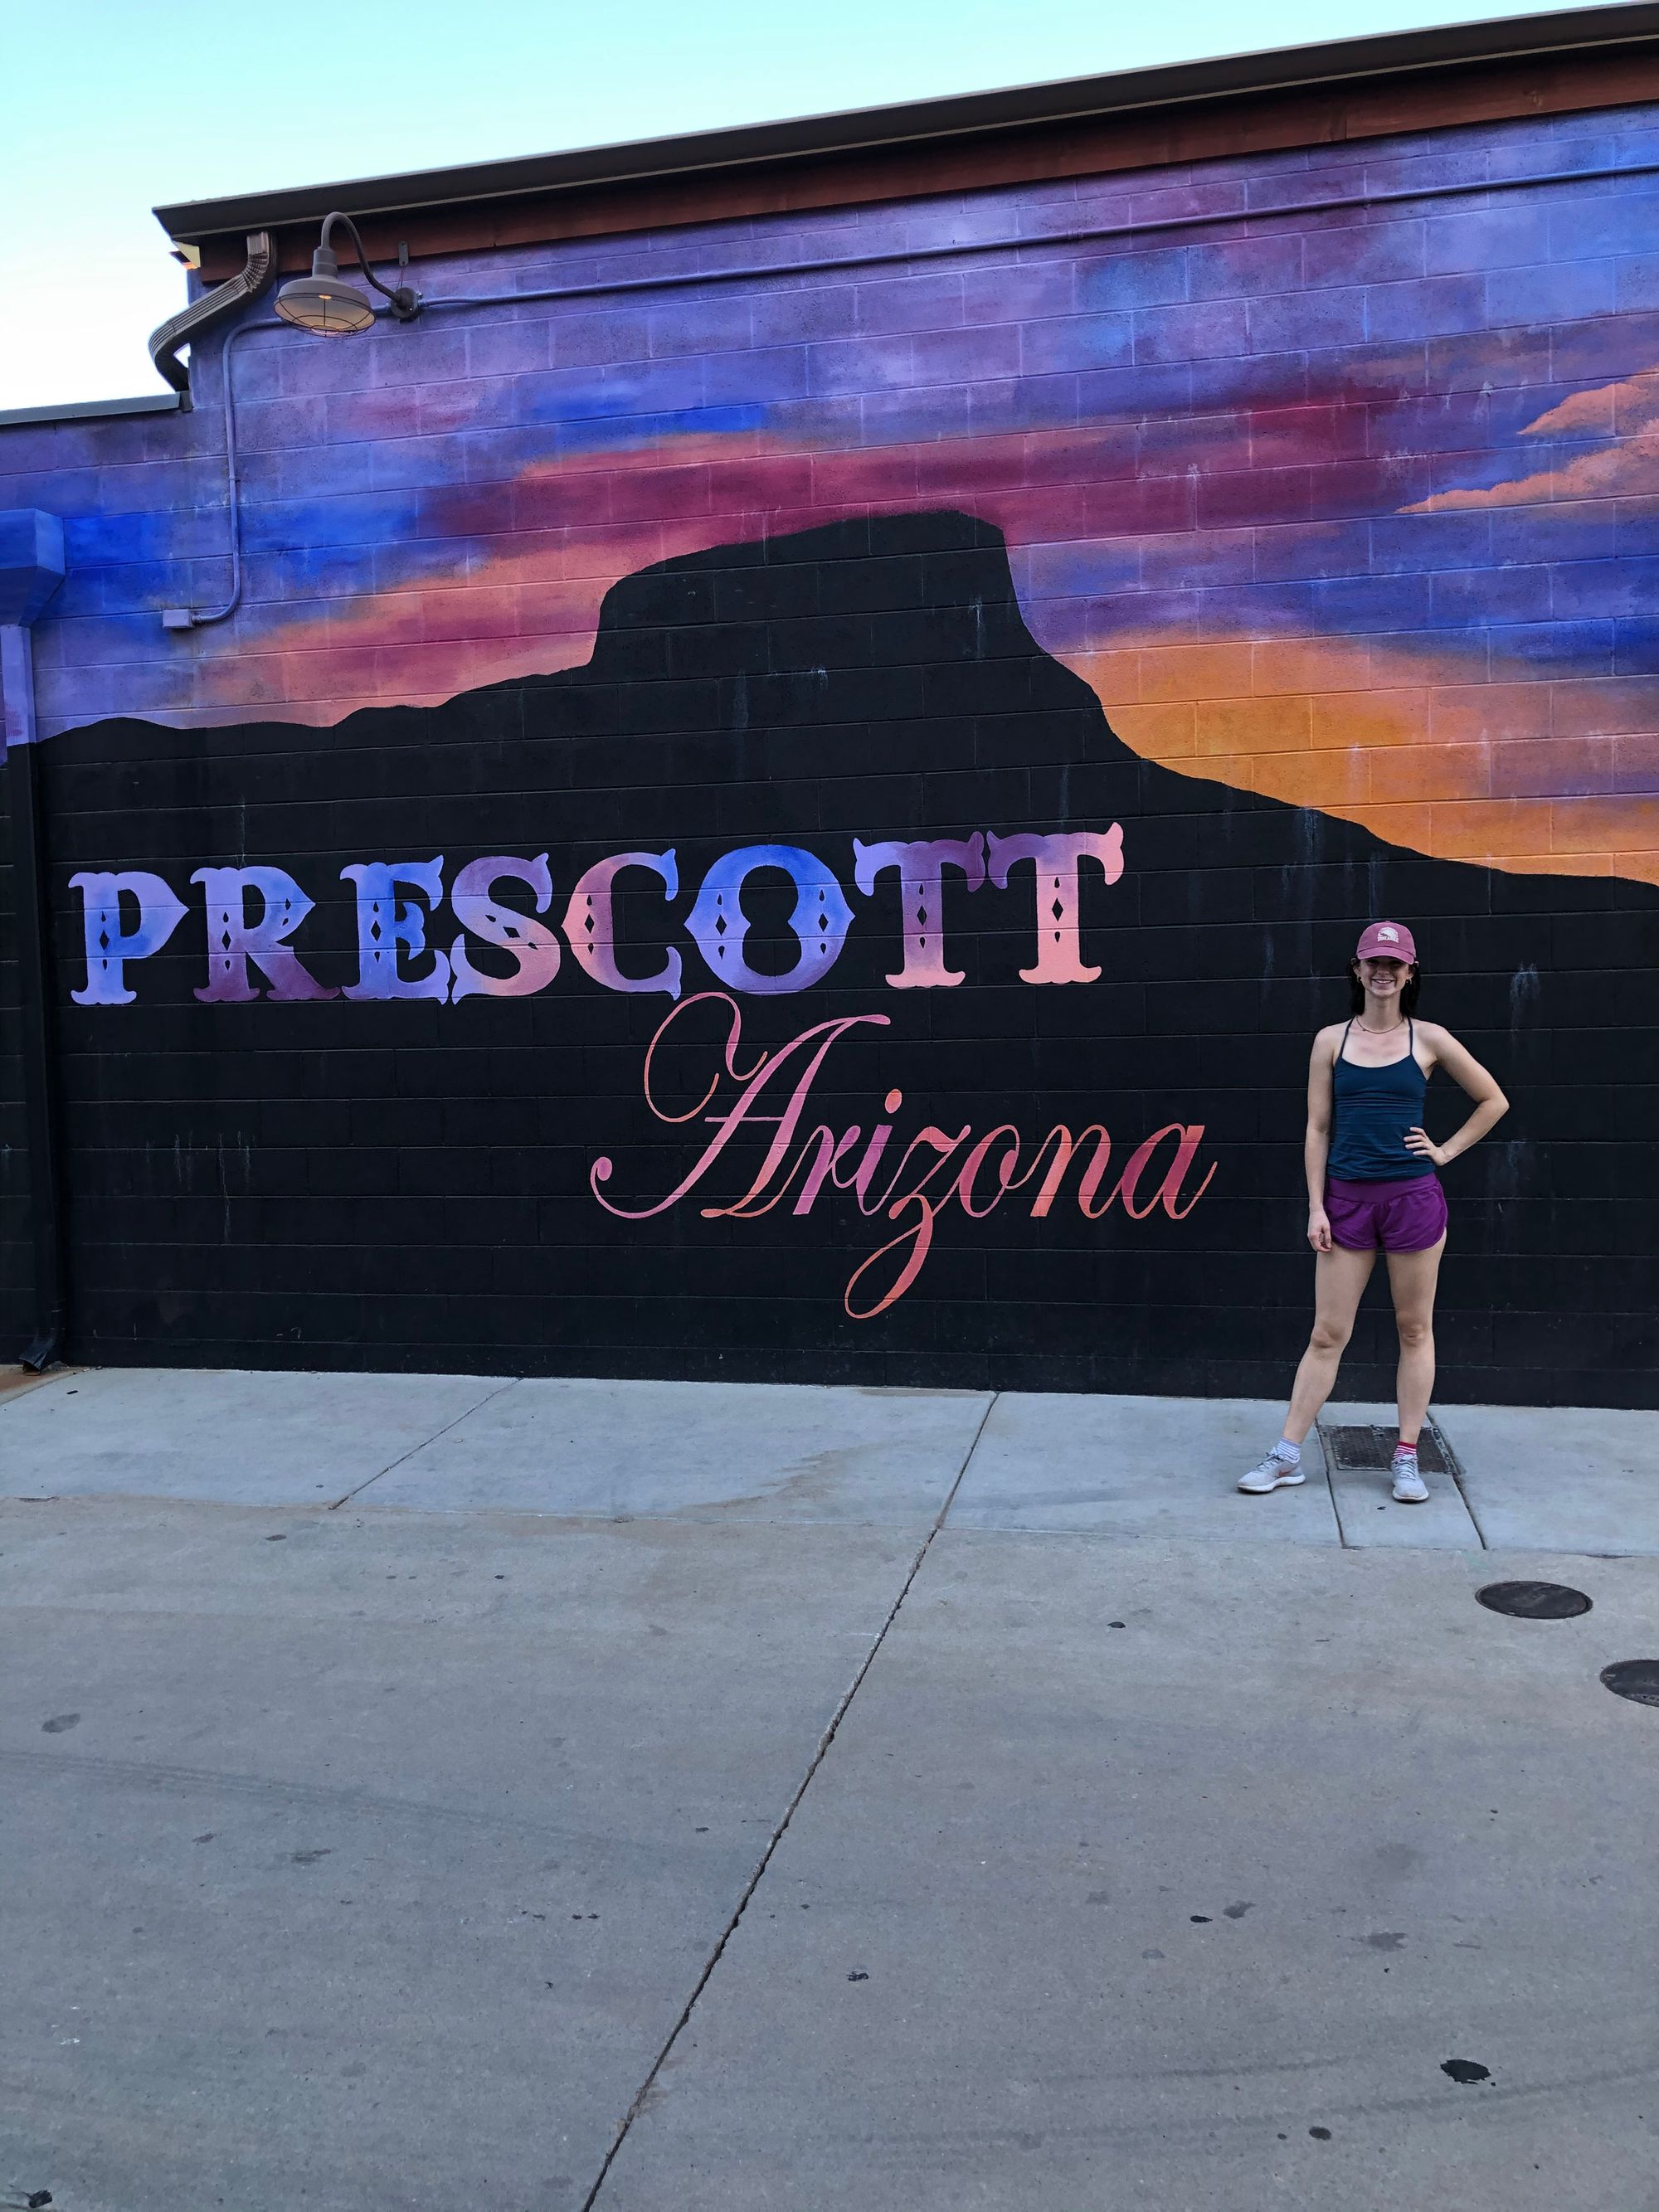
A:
[919,124]
[87,410]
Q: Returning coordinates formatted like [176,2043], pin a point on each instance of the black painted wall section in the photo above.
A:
[16,1255]
[407,1185]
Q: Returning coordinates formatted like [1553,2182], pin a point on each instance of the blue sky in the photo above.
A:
[107,106]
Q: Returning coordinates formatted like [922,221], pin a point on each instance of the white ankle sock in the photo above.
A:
[1289,1453]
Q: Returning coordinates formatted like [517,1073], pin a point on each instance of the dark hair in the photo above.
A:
[1408,990]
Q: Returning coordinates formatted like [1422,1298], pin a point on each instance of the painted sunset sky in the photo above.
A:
[1358,509]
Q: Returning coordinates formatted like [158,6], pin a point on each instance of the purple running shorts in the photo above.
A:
[1407,1216]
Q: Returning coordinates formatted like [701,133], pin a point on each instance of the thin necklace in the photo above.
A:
[1371,1028]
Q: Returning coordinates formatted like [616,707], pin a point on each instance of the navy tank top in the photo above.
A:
[1372,1108]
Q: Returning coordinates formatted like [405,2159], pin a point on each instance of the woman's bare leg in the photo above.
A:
[1339,1279]
[1411,1278]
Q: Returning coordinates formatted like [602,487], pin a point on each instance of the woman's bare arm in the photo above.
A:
[1466,1071]
[1317,1146]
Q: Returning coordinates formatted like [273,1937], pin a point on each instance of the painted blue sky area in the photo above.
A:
[592,428]
[1284,518]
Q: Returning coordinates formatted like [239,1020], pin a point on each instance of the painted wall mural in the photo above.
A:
[811,983]
[1352,507]
[797,823]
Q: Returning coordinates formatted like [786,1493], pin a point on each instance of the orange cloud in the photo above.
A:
[1626,412]
[1401,743]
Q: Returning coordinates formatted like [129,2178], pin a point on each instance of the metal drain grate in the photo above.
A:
[1371,1450]
[1534,1600]
[1634,1678]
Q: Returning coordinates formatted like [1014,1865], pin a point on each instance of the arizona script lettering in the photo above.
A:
[935,1169]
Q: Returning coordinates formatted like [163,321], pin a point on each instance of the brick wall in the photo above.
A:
[1332,511]
[16,1263]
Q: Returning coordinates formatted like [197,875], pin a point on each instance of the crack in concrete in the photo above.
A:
[642,2096]
[489,1399]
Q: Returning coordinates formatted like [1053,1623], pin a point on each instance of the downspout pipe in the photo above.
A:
[31,569]
[206,314]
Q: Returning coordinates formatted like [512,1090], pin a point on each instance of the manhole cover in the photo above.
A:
[1371,1450]
[1634,1678]
[1534,1600]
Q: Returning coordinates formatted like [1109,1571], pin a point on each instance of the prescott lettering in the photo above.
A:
[255,919]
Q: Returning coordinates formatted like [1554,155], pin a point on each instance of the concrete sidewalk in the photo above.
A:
[1543,1479]
[429,1791]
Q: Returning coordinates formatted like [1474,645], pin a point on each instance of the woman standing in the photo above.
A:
[1372,1187]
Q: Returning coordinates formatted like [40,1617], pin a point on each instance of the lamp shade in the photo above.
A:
[332,307]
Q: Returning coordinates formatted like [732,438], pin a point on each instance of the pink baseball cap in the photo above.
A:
[1386,940]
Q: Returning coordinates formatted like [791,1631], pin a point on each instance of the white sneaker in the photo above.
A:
[1409,1487]
[1271,1473]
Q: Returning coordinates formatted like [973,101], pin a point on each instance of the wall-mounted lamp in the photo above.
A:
[332,305]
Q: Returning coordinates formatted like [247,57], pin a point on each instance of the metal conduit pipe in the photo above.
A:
[193,617]
[204,314]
